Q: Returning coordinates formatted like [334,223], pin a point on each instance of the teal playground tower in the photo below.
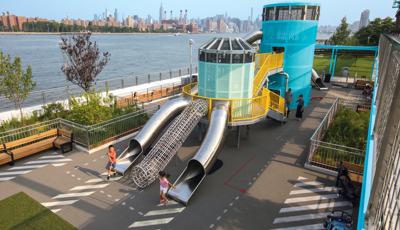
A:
[291,28]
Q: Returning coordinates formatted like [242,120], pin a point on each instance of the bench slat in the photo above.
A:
[65,133]
[4,158]
[33,148]
[27,140]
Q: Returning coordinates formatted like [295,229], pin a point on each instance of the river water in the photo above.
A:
[131,54]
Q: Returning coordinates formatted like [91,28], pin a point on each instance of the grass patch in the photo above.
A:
[20,211]
[360,66]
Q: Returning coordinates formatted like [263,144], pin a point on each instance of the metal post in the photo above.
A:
[122,83]
[44,98]
[331,61]
[238,137]
[191,42]
[334,65]
[373,65]
[160,76]
[136,80]
[170,74]
[148,78]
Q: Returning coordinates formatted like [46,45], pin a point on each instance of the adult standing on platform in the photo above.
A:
[300,107]
[288,101]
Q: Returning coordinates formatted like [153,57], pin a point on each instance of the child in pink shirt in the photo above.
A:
[164,186]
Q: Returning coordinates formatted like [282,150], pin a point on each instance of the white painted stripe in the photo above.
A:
[308,183]
[301,217]
[303,227]
[164,211]
[313,190]
[315,206]
[104,174]
[59,164]
[66,195]
[6,178]
[301,178]
[150,222]
[171,202]
[51,157]
[59,203]
[310,198]
[55,210]
[27,167]
[48,161]
[95,180]
[14,173]
[89,187]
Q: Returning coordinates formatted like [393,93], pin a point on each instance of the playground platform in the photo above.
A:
[261,185]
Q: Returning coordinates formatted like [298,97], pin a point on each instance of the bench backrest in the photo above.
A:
[1,148]
[30,139]
[354,167]
[65,133]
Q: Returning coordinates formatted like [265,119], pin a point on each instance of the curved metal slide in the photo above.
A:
[198,167]
[317,80]
[149,132]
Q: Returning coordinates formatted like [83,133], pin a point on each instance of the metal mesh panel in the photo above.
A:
[146,172]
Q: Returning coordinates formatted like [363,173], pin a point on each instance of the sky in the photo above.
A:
[331,10]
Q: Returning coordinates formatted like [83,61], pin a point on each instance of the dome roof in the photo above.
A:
[227,45]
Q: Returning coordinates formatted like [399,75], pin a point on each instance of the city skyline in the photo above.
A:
[196,10]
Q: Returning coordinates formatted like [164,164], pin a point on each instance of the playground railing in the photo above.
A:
[243,109]
[266,62]
[328,155]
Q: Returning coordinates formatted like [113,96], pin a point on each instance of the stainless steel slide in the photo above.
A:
[149,132]
[317,80]
[253,37]
[198,167]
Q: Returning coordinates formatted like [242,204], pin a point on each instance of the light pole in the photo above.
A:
[191,42]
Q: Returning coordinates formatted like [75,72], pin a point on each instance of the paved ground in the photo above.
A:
[262,185]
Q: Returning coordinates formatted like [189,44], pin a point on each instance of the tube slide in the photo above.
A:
[198,167]
[317,81]
[253,37]
[149,132]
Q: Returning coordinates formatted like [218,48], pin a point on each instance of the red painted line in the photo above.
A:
[235,173]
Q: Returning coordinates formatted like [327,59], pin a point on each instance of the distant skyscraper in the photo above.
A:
[170,17]
[161,16]
[251,15]
[364,19]
[116,15]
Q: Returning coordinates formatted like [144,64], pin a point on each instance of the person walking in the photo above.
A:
[300,107]
[164,186]
[288,101]
[112,160]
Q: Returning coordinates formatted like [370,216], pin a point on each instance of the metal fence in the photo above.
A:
[87,136]
[62,93]
[328,155]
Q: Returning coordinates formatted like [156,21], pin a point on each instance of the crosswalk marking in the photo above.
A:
[27,167]
[51,157]
[83,187]
[301,217]
[171,202]
[164,211]
[95,180]
[59,203]
[69,195]
[14,173]
[313,190]
[55,210]
[301,178]
[310,198]
[150,222]
[59,164]
[309,183]
[48,161]
[6,178]
[303,227]
[315,206]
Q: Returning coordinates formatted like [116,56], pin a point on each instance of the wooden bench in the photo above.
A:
[14,150]
[355,171]
[64,140]
[360,84]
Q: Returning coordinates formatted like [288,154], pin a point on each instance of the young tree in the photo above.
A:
[341,35]
[15,83]
[370,34]
[84,61]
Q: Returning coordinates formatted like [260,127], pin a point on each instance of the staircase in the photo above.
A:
[270,64]
[157,159]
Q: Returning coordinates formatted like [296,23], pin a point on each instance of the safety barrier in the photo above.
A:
[244,109]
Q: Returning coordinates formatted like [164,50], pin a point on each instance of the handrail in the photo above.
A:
[270,62]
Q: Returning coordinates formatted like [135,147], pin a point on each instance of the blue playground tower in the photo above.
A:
[291,28]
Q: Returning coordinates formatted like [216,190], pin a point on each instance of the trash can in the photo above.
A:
[327,77]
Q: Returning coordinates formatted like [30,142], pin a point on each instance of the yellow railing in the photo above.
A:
[244,109]
[266,62]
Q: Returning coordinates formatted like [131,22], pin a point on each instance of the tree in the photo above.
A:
[341,35]
[15,83]
[370,34]
[84,61]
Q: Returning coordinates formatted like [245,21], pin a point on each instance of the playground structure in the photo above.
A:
[236,87]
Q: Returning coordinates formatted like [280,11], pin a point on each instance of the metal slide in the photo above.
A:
[198,167]
[317,81]
[253,37]
[149,132]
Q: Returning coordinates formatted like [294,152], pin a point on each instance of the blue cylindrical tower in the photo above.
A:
[292,28]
